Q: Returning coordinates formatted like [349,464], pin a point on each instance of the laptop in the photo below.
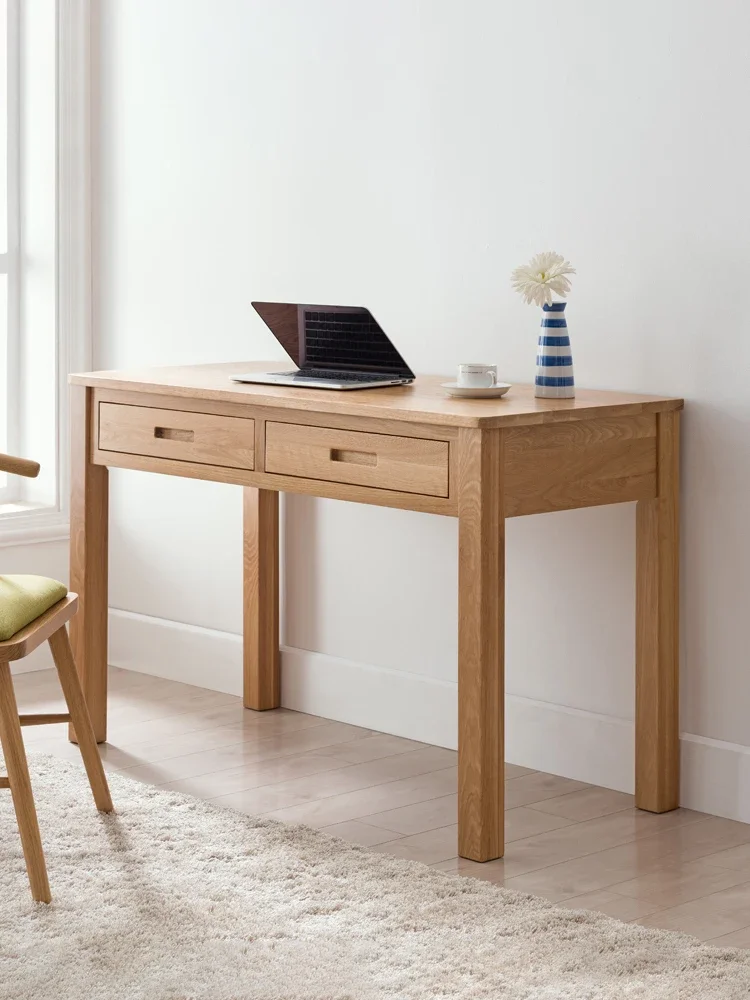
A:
[334,347]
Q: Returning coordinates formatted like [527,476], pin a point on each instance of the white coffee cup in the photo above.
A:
[477,376]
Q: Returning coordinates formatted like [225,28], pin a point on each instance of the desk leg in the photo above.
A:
[481,642]
[89,516]
[657,742]
[261,601]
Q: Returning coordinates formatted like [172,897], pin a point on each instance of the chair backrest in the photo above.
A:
[19,466]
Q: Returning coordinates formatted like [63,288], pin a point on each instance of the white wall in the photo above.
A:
[407,155]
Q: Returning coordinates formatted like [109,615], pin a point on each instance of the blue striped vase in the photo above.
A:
[554,360]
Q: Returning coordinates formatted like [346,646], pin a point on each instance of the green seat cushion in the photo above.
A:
[23,598]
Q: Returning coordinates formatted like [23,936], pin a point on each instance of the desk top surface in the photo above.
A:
[422,402]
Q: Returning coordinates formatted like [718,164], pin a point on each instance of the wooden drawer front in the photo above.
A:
[205,438]
[408,465]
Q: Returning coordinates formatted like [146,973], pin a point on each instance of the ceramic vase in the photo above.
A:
[554,360]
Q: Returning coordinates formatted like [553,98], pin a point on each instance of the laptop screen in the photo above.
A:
[338,338]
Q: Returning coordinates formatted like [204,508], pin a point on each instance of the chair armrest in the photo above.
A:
[19,466]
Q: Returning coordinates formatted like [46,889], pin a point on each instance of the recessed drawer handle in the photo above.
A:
[173,434]
[354,457]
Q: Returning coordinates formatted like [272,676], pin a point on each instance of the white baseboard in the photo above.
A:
[391,701]
[715,777]
[176,651]
[578,744]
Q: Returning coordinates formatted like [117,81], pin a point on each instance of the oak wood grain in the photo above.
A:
[286,484]
[44,719]
[481,645]
[382,461]
[581,464]
[355,422]
[424,401]
[19,466]
[20,787]
[262,687]
[79,715]
[89,524]
[202,438]
[657,751]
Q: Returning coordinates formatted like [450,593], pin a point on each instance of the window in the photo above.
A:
[9,234]
[44,250]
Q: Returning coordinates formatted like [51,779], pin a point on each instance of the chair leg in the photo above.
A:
[79,717]
[20,787]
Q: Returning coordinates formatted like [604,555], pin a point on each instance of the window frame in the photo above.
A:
[9,260]
[73,269]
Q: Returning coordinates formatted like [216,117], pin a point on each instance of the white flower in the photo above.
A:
[543,275]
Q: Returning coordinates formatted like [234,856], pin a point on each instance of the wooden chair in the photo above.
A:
[49,626]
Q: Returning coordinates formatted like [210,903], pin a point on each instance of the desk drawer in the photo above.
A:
[204,438]
[405,464]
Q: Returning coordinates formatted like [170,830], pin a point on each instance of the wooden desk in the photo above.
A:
[410,447]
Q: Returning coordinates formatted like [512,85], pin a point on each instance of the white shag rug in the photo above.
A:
[174,899]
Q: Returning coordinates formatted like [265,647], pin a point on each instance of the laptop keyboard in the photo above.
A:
[326,375]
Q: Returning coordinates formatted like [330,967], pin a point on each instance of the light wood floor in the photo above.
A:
[575,844]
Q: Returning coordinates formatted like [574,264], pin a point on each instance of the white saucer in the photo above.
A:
[466,392]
